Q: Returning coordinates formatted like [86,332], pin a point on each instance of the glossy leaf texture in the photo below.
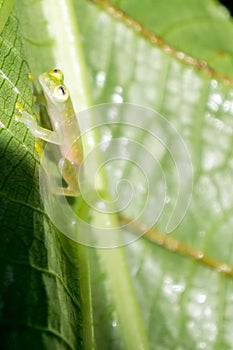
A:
[57,294]
[39,281]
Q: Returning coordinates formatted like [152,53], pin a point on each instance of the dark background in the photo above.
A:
[228,4]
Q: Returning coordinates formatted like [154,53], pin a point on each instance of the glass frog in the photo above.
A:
[65,135]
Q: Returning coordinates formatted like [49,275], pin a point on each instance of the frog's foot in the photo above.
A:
[31,77]
[24,117]
[65,191]
[69,172]
[39,146]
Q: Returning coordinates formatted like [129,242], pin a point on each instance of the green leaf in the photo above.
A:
[39,279]
[6,7]
[157,292]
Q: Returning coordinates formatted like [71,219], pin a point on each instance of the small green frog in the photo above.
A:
[67,136]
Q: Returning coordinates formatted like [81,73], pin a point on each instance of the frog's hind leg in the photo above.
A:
[69,173]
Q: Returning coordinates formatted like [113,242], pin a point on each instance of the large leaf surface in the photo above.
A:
[180,303]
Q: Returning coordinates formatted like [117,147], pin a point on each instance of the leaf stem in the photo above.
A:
[158,41]
[174,245]
[67,49]
[68,55]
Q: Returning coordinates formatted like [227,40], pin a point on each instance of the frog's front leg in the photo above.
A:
[37,130]
[67,169]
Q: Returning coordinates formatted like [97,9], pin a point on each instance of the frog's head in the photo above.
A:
[53,87]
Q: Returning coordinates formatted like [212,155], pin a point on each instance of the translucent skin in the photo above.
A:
[65,133]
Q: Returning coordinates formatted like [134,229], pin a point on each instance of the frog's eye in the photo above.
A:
[57,73]
[61,93]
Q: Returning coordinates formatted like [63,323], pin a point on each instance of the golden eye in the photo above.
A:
[61,93]
[57,73]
